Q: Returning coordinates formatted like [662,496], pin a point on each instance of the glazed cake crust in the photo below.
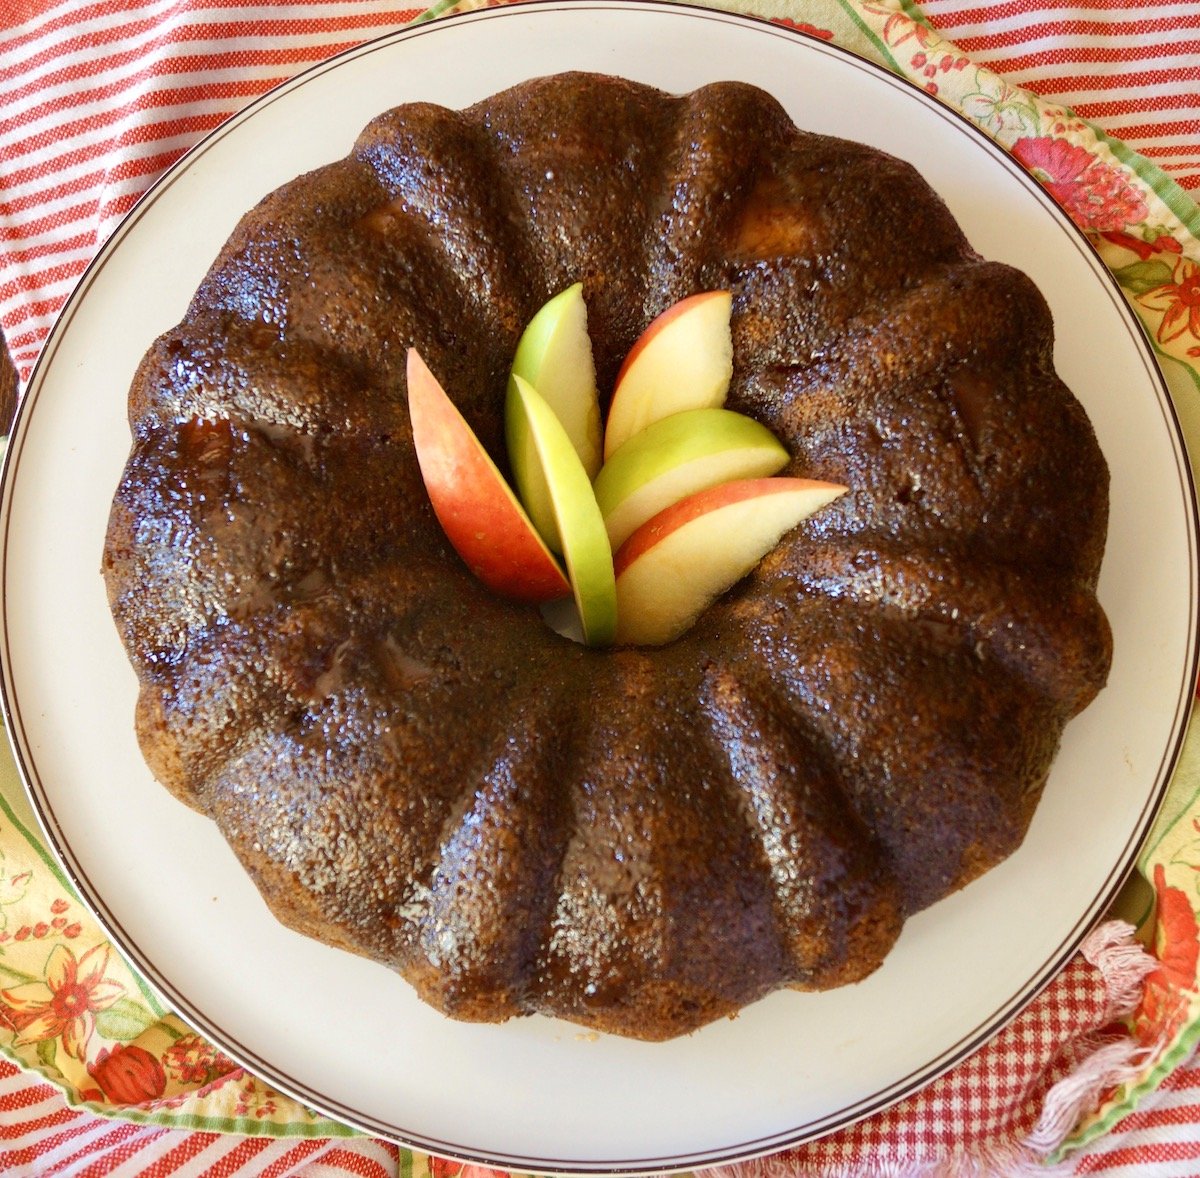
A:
[638,840]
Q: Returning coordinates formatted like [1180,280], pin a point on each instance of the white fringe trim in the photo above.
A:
[1123,964]
[985,1161]
[1107,1067]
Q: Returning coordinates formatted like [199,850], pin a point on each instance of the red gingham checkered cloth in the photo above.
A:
[1002,1107]
[98,98]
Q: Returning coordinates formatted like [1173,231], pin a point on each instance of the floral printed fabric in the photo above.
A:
[72,1010]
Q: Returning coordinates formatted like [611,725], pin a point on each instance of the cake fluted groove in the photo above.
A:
[287,263]
[200,711]
[800,280]
[221,365]
[448,212]
[587,159]
[232,521]
[939,434]
[500,853]
[323,273]
[664,919]
[941,757]
[910,332]
[837,906]
[327,828]
[710,168]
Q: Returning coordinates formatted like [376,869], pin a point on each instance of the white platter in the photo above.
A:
[344,1035]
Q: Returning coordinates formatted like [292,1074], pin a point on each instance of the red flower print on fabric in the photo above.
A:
[1164,244]
[1170,987]
[1179,302]
[901,27]
[1095,195]
[801,26]
[253,1101]
[128,1075]
[192,1060]
[66,1003]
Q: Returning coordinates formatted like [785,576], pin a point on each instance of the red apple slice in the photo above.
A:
[477,509]
[683,360]
[677,563]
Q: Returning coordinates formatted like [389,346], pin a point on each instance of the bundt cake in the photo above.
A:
[636,839]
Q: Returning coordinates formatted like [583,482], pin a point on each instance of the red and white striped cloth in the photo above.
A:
[1159,1140]
[1131,66]
[41,1137]
[77,147]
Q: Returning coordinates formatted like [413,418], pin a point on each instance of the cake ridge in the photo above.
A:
[467,219]
[480,955]
[711,169]
[814,844]
[947,796]
[1000,612]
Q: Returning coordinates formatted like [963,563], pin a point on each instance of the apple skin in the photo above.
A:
[586,549]
[477,509]
[680,561]
[683,360]
[677,456]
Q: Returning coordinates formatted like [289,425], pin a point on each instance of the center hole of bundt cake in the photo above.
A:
[622,526]
[562,616]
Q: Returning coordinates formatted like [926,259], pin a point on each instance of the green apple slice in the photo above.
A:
[677,456]
[475,506]
[554,355]
[683,360]
[585,545]
[676,564]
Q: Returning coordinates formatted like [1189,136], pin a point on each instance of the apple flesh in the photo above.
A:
[477,509]
[585,545]
[554,355]
[676,564]
[683,360]
[678,456]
